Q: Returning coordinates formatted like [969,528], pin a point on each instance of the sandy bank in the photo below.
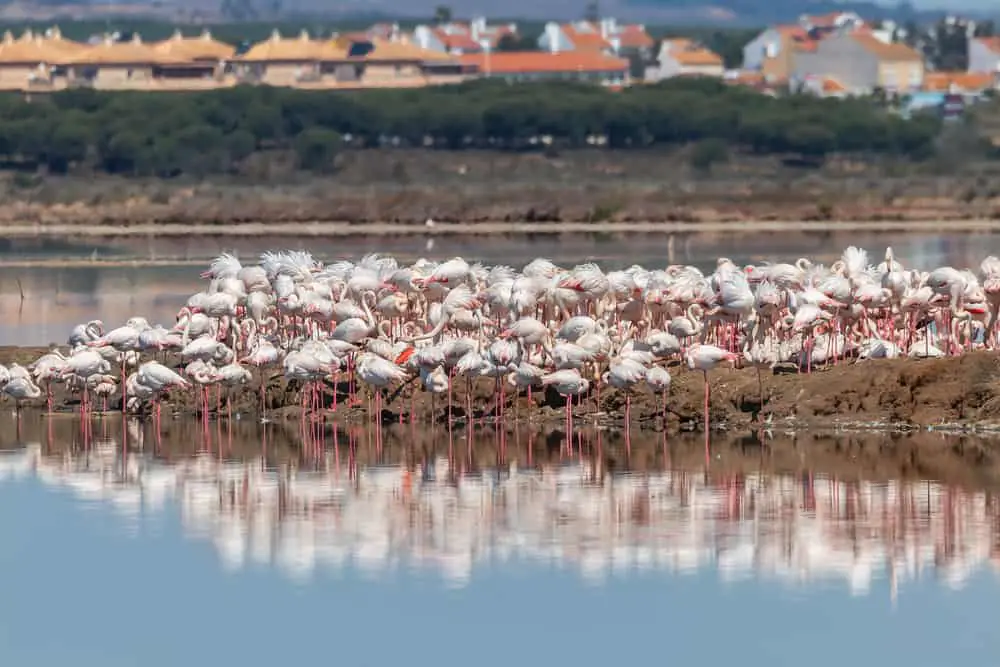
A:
[496,228]
[960,392]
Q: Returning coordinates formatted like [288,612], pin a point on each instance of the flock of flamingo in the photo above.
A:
[382,324]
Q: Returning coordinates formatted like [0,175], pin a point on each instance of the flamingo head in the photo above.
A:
[405,355]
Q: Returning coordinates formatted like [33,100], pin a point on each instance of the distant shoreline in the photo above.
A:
[498,228]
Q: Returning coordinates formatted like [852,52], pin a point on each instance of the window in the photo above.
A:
[916,77]
[889,79]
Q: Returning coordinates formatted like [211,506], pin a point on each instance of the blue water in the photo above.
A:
[103,582]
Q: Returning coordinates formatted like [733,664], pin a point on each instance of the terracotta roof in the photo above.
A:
[26,50]
[799,36]
[833,86]
[689,52]
[457,40]
[296,49]
[540,61]
[792,30]
[634,36]
[402,50]
[132,52]
[892,52]
[202,47]
[967,81]
[586,39]
[991,43]
[53,38]
[697,57]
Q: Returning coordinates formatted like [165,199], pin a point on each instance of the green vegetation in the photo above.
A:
[255,130]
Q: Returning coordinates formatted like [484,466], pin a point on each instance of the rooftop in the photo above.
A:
[585,36]
[297,49]
[886,51]
[403,50]
[202,47]
[992,43]
[689,52]
[965,81]
[540,61]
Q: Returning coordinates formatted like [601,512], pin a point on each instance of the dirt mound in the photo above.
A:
[959,391]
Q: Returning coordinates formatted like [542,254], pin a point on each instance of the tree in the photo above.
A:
[216,132]
[811,140]
[516,42]
[442,14]
[985,28]
[67,145]
[316,149]
[707,153]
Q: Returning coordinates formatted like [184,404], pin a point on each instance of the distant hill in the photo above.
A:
[737,13]
[759,12]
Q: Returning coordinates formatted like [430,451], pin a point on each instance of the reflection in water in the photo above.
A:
[58,297]
[340,507]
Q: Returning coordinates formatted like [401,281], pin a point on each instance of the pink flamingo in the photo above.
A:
[705,358]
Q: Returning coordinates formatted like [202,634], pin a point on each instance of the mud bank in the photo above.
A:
[961,393]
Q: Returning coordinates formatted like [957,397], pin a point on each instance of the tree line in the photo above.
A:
[224,131]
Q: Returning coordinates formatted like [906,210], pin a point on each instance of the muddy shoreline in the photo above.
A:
[960,394]
[395,191]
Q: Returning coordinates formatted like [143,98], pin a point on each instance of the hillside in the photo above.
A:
[720,12]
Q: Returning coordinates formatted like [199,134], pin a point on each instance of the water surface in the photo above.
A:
[206,547]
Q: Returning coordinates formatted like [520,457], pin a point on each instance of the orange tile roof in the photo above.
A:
[991,43]
[298,49]
[586,39]
[634,36]
[540,61]
[801,41]
[968,81]
[202,47]
[457,40]
[792,30]
[403,50]
[893,52]
[132,52]
[833,86]
[697,57]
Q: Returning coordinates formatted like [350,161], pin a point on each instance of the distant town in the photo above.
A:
[834,55]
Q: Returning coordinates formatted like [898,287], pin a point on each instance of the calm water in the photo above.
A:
[220,548]
[60,288]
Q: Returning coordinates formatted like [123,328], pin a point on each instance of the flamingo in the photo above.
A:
[624,374]
[230,376]
[160,379]
[567,383]
[378,373]
[705,358]
[659,379]
[21,389]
